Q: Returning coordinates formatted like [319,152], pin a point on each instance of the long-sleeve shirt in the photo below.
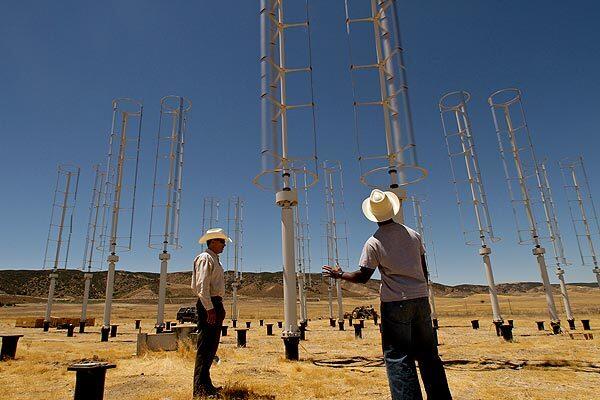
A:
[208,278]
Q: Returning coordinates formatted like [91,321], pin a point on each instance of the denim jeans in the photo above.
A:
[406,337]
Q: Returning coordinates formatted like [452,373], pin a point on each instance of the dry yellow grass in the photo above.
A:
[333,364]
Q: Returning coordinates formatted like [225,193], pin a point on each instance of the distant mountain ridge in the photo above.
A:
[144,285]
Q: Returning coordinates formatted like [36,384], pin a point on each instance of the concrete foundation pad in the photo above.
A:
[156,342]
[183,331]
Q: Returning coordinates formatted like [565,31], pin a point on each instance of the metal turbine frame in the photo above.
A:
[61,218]
[121,186]
[582,209]
[463,159]
[557,244]
[210,214]
[334,203]
[400,160]
[235,206]
[167,188]
[518,154]
[420,228]
[276,158]
[302,234]
[96,228]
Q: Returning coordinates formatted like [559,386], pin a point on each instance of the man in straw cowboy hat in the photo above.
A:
[406,329]
[208,282]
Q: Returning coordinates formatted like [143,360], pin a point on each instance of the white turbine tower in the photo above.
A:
[468,185]
[166,190]
[287,114]
[61,224]
[523,177]
[121,185]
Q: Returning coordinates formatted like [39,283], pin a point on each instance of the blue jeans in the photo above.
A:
[406,337]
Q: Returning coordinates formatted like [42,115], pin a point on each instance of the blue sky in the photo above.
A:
[63,63]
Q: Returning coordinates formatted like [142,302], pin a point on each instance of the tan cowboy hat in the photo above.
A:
[381,206]
[214,233]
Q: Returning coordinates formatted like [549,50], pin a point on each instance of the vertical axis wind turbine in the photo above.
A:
[334,202]
[167,187]
[287,113]
[557,243]
[121,185]
[582,209]
[95,230]
[420,227]
[61,219]
[381,102]
[301,222]
[523,178]
[210,214]
[468,185]
[235,206]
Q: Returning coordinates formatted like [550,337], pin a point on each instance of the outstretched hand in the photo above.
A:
[332,272]
[211,316]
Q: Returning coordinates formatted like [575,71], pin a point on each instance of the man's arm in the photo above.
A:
[424,266]
[360,276]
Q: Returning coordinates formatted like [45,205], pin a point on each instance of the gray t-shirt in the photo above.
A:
[396,250]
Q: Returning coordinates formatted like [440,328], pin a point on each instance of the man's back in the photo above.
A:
[396,250]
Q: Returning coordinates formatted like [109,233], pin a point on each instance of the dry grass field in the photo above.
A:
[333,364]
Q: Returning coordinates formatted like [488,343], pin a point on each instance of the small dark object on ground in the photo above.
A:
[89,380]
[586,324]
[506,332]
[187,314]
[540,325]
[362,312]
[9,346]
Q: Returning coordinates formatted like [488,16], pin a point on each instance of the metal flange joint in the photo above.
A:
[286,198]
[538,251]
[485,251]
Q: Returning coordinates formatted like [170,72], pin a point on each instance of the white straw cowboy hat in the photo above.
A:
[381,206]
[214,233]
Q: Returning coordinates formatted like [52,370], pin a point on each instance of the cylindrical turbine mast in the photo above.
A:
[522,176]
[583,211]
[468,185]
[167,187]
[284,126]
[121,185]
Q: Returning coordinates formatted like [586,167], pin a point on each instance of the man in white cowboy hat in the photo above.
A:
[406,329]
[208,282]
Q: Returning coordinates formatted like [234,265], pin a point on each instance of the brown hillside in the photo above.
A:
[144,285]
